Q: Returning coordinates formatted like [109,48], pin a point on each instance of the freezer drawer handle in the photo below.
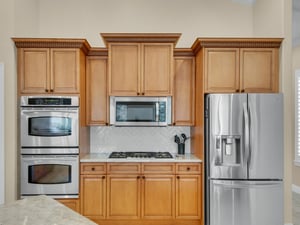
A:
[240,184]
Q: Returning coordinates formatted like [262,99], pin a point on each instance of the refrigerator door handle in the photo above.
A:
[247,133]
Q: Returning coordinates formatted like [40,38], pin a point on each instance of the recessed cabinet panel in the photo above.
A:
[65,70]
[184,91]
[259,70]
[158,197]
[221,70]
[124,69]
[96,90]
[157,69]
[33,70]
[93,196]
[123,199]
[188,197]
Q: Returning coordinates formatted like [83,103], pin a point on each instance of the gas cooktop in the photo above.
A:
[158,155]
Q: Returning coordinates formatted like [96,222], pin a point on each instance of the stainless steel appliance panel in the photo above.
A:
[50,175]
[266,136]
[140,111]
[226,127]
[246,202]
[49,126]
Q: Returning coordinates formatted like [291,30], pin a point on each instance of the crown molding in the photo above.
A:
[52,43]
[178,52]
[141,37]
[98,52]
[236,43]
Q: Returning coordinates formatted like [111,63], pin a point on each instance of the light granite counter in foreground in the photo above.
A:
[40,210]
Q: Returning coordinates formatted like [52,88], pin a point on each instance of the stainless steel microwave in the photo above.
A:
[140,111]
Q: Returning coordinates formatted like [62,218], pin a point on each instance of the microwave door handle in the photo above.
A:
[157,112]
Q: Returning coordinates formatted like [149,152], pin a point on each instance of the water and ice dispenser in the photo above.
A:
[228,150]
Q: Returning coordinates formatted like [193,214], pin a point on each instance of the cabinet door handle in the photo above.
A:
[237,90]
[178,177]
[144,177]
[103,177]
[46,90]
[243,90]
[93,168]
[143,93]
[138,177]
[51,90]
[138,93]
[188,169]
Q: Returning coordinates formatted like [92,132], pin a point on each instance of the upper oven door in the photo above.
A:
[49,127]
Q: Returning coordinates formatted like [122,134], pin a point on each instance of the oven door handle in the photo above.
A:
[35,110]
[49,159]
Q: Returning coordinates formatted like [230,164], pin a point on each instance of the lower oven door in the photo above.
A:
[56,175]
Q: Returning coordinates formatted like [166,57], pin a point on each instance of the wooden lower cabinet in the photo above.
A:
[70,203]
[137,193]
[93,196]
[158,194]
[123,197]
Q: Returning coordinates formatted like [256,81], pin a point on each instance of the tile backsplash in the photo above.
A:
[108,139]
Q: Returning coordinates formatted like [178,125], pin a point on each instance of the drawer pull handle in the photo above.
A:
[188,169]
[144,177]
[93,168]
[178,177]
[103,177]
[138,177]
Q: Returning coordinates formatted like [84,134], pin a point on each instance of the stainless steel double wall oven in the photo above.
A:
[49,129]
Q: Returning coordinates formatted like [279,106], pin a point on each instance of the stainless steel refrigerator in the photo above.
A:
[244,159]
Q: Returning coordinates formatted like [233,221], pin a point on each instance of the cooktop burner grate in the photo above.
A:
[158,155]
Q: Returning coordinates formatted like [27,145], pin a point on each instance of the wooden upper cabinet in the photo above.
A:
[51,66]
[221,70]
[259,69]
[96,90]
[33,70]
[65,67]
[157,69]
[239,64]
[124,69]
[140,64]
[184,91]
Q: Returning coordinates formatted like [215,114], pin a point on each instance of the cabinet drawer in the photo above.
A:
[188,168]
[157,168]
[118,168]
[92,168]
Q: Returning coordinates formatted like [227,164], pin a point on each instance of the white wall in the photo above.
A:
[2,178]
[192,18]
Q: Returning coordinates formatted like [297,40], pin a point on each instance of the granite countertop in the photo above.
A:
[103,157]
[40,210]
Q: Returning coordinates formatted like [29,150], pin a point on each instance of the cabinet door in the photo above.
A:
[34,70]
[259,70]
[184,91]
[157,67]
[93,196]
[221,70]
[65,71]
[123,197]
[188,197]
[124,69]
[158,197]
[96,92]
[70,203]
